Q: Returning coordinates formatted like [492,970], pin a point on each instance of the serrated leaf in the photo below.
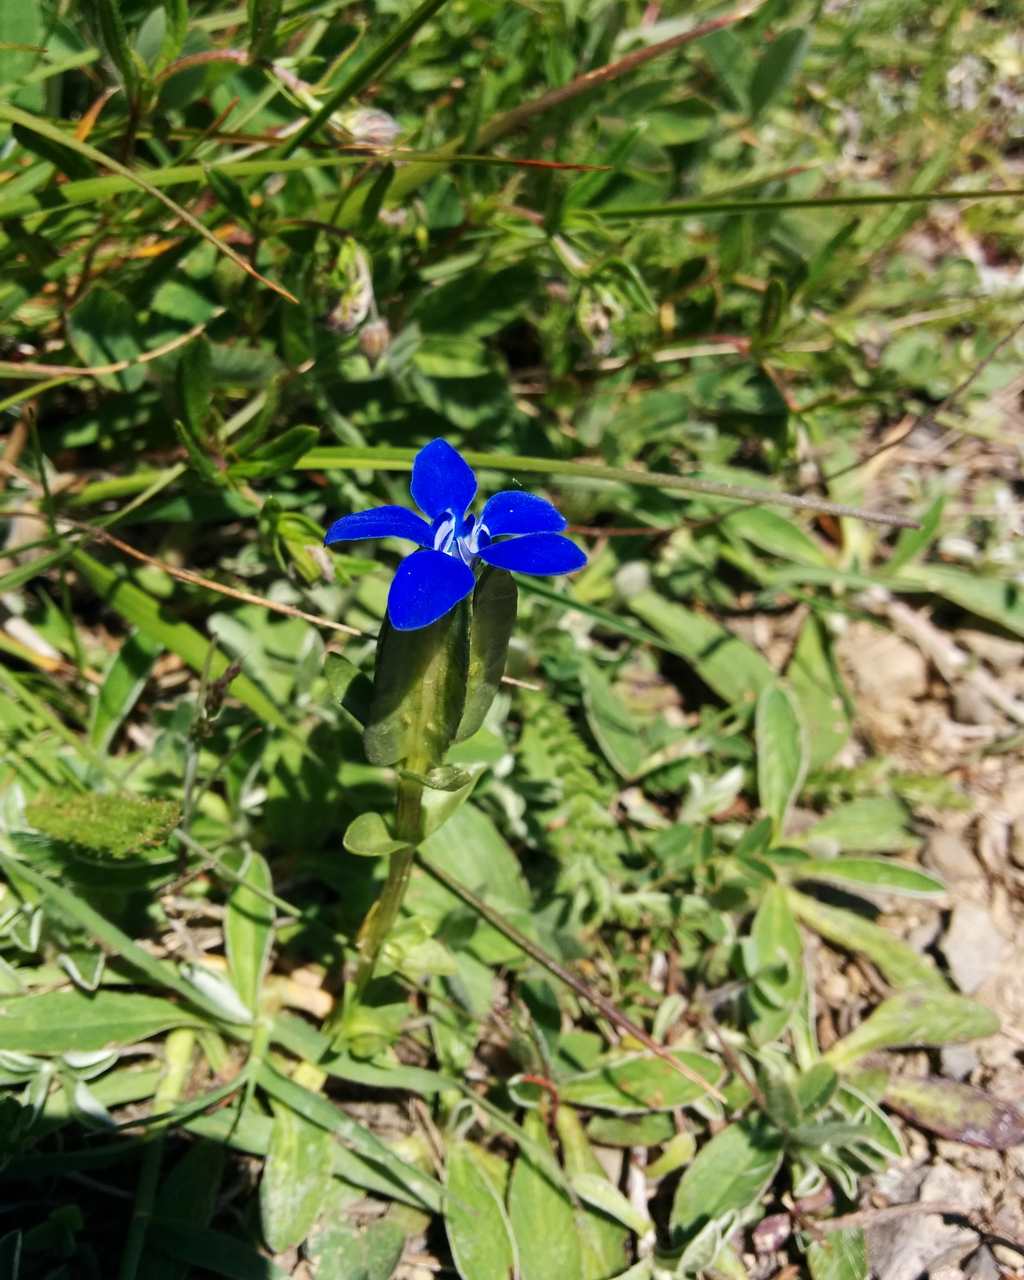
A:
[781,754]
[296,1179]
[479,1232]
[915,1018]
[956,1111]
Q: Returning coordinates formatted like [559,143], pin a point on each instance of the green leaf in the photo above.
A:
[296,1179]
[142,611]
[610,721]
[106,14]
[872,824]
[102,329]
[899,963]
[114,825]
[249,928]
[64,1021]
[22,33]
[123,683]
[479,1232]
[187,1195]
[350,689]
[815,682]
[603,1243]
[959,1112]
[840,1255]
[264,16]
[999,600]
[368,836]
[780,536]
[727,1177]
[915,1018]
[914,542]
[640,1082]
[871,873]
[419,691]
[214,1252]
[276,456]
[781,754]
[728,666]
[777,66]
[776,953]
[493,618]
[339,1249]
[541,1215]
[195,386]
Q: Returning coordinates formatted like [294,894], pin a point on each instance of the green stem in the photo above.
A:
[383,914]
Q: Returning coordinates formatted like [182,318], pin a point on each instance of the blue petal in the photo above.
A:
[426,586]
[442,480]
[381,522]
[512,511]
[535,553]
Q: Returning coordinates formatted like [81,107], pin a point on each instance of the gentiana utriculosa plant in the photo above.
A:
[441,652]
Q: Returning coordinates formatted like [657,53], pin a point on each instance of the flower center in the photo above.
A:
[457,536]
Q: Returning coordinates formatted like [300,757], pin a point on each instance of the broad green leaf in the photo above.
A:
[478,1228]
[125,679]
[264,16]
[603,1242]
[998,600]
[195,386]
[368,836]
[61,1021]
[731,668]
[915,1018]
[214,1252]
[872,824]
[419,692]
[612,724]
[816,684]
[769,531]
[103,330]
[350,689]
[276,456]
[541,1215]
[777,66]
[959,1112]
[727,1176]
[110,27]
[898,962]
[296,1179]
[871,873]
[116,826]
[188,1195]
[776,952]
[22,34]
[149,615]
[839,1255]
[249,928]
[343,1248]
[640,1082]
[492,620]
[781,753]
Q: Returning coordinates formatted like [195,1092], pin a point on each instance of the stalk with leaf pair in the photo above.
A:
[441,652]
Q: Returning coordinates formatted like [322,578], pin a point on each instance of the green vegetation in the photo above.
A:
[693,274]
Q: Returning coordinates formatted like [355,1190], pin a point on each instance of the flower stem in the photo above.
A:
[382,915]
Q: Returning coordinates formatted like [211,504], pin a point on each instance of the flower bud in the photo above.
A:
[374,340]
[372,126]
[353,277]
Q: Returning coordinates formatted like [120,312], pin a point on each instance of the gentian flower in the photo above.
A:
[516,531]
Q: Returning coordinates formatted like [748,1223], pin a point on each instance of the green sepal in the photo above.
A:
[419,691]
[494,616]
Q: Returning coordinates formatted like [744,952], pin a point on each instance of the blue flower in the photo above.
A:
[432,581]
